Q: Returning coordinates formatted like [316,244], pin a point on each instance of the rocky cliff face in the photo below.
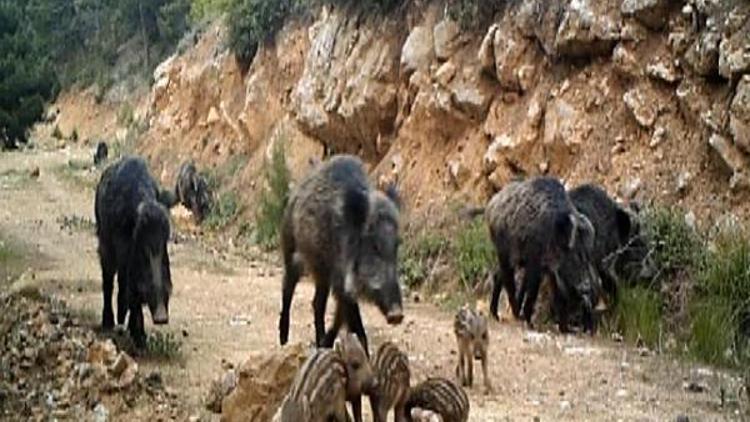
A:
[648,97]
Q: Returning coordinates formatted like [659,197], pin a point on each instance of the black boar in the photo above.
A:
[346,234]
[620,249]
[533,224]
[192,191]
[133,229]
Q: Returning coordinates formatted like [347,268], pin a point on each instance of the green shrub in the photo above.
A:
[201,10]
[473,14]
[676,246]
[638,315]
[252,22]
[720,308]
[223,211]
[474,253]
[273,198]
[418,255]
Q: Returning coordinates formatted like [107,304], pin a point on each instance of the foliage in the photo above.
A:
[638,315]
[474,253]
[720,311]
[471,14]
[418,255]
[676,245]
[223,210]
[206,9]
[252,22]
[27,78]
[273,199]
[163,346]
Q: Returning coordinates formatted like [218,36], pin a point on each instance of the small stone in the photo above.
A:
[642,107]
[565,405]
[213,116]
[621,394]
[630,190]
[34,173]
[683,180]
[445,73]
[664,70]
[659,135]
[101,414]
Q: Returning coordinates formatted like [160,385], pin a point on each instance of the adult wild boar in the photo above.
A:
[620,251]
[346,234]
[192,191]
[533,224]
[133,228]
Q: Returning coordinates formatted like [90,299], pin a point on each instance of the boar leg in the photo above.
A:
[530,289]
[108,280]
[291,277]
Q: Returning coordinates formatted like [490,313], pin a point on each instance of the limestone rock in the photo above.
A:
[263,381]
[347,93]
[734,53]
[739,117]
[703,54]
[625,61]
[445,73]
[486,53]
[733,158]
[642,106]
[587,29]
[213,116]
[653,13]
[509,50]
[470,97]
[446,34]
[663,69]
[418,50]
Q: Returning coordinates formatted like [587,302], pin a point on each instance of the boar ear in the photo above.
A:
[392,193]
[624,224]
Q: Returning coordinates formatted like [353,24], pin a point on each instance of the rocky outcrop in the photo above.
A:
[346,96]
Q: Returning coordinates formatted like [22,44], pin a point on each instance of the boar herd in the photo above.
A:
[345,234]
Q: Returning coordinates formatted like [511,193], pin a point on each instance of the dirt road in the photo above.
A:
[225,306]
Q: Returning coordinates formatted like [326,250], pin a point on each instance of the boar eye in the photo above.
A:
[356,366]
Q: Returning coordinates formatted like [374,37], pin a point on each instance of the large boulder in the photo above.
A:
[347,95]
[588,28]
[262,382]
[418,50]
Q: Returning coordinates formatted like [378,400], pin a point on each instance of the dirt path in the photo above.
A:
[225,307]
